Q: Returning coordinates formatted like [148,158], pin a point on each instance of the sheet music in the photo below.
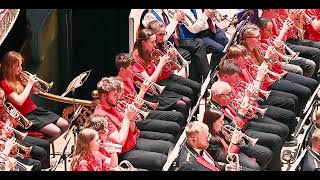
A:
[77,82]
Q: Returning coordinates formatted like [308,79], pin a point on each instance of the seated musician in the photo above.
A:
[315,125]
[252,157]
[298,65]
[157,120]
[87,156]
[281,18]
[146,66]
[293,83]
[191,49]
[18,95]
[276,98]
[193,155]
[283,119]
[186,87]
[312,158]
[221,100]
[313,26]
[40,147]
[143,153]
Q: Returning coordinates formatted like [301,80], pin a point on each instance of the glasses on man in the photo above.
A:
[226,94]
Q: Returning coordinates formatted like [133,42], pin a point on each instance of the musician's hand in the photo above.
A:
[172,53]
[9,144]
[138,102]
[12,163]
[179,16]
[231,167]
[287,24]
[278,43]
[35,90]
[208,12]
[131,113]
[236,137]
[146,85]
[32,79]
[164,60]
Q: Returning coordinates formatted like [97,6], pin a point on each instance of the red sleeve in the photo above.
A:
[6,88]
[234,148]
[138,66]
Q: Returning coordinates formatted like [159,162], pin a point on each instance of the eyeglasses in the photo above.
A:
[228,94]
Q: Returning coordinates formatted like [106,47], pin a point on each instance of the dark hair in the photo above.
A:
[262,22]
[143,35]
[211,116]
[124,60]
[229,67]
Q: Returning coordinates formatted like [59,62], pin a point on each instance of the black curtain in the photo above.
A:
[97,36]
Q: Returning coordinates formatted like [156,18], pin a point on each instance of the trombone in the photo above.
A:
[41,85]
[154,90]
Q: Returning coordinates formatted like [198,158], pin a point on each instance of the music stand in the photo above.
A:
[63,157]
[77,82]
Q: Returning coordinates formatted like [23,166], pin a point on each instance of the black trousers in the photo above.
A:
[308,49]
[36,165]
[148,154]
[261,154]
[194,50]
[183,86]
[40,150]
[272,141]
[283,100]
[174,116]
[285,117]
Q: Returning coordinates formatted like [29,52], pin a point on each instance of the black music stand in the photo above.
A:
[63,157]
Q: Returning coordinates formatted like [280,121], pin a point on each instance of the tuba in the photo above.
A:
[13,112]
[131,98]
[122,105]
[154,90]
[41,85]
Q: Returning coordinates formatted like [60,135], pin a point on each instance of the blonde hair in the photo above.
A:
[108,84]
[236,51]
[83,149]
[247,30]
[10,59]
[196,127]
[98,122]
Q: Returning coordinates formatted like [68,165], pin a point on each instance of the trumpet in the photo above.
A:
[111,147]
[41,85]
[20,135]
[173,65]
[293,55]
[237,103]
[218,16]
[13,112]
[154,90]
[15,151]
[233,158]
[132,97]
[228,130]
[168,45]
[171,13]
[280,20]
[255,68]
[254,90]
[122,104]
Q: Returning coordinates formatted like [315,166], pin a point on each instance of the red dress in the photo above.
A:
[94,163]
[28,105]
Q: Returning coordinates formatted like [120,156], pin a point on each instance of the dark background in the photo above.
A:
[59,44]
